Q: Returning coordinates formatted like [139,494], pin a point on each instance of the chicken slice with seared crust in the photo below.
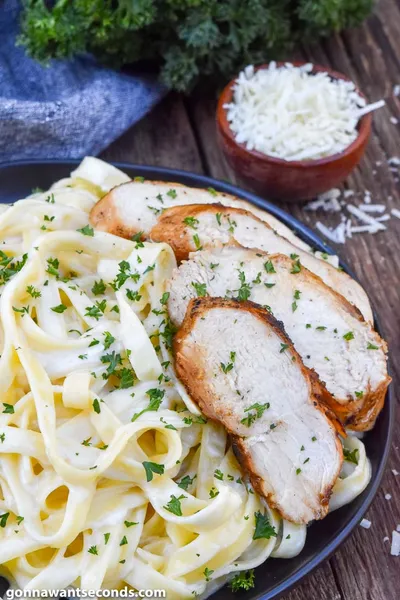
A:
[328,332]
[190,227]
[242,370]
[135,207]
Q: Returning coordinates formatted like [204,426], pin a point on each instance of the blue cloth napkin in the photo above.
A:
[67,110]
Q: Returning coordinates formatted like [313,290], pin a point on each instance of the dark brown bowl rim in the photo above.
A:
[364,124]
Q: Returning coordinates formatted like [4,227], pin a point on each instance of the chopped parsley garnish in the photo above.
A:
[96,406]
[2,437]
[211,191]
[130,523]
[139,179]
[52,266]
[263,528]
[172,194]
[185,482]
[124,541]
[218,217]
[133,296]
[24,310]
[114,359]
[197,242]
[351,456]
[213,492]
[168,425]
[359,394]
[313,439]
[191,222]
[320,328]
[243,581]
[229,366]
[152,467]
[348,336]
[283,347]
[87,442]
[207,573]
[99,287]
[244,291]
[87,230]
[94,342]
[106,538]
[298,471]
[164,298]
[232,225]
[32,291]
[156,397]
[296,267]
[174,505]
[8,409]
[93,550]
[137,237]
[108,339]
[372,346]
[252,416]
[201,289]
[82,356]
[19,520]
[3,519]
[10,268]
[123,275]
[269,267]
[50,199]
[218,475]
[96,310]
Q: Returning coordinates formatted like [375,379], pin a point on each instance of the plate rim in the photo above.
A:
[309,236]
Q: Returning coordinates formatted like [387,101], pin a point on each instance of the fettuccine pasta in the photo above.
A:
[109,474]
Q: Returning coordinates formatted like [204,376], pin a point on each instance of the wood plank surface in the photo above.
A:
[181,133]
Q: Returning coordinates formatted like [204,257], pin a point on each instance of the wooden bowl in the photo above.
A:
[289,180]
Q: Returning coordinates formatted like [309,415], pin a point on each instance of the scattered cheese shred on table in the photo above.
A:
[293,113]
[395,549]
[365,523]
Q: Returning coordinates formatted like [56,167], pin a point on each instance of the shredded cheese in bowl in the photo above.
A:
[294,113]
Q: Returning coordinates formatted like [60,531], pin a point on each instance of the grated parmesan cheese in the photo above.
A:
[388,496]
[395,549]
[291,113]
[379,208]
[365,218]
[365,523]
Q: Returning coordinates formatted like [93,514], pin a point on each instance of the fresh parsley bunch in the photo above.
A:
[188,38]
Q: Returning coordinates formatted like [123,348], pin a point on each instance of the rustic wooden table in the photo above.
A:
[181,133]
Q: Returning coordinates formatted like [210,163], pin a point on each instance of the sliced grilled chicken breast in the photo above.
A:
[134,207]
[190,227]
[229,356]
[327,331]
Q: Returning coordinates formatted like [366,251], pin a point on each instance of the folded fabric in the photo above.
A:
[68,109]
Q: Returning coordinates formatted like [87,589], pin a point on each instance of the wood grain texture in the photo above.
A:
[181,133]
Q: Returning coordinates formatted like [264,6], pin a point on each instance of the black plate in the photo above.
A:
[276,575]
